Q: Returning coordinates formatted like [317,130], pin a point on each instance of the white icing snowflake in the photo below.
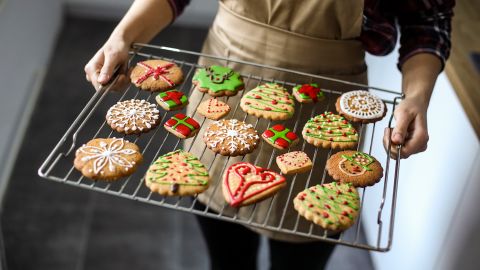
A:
[133,114]
[235,133]
[110,154]
[362,104]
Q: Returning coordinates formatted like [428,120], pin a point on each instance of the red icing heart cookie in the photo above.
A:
[245,183]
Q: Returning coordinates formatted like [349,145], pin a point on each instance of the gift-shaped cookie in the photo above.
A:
[172,100]
[182,126]
[294,162]
[308,93]
[280,137]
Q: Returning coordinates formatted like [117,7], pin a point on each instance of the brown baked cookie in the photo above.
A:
[182,126]
[172,100]
[177,173]
[213,108]
[269,101]
[156,75]
[361,107]
[308,93]
[354,167]
[133,116]
[280,137]
[332,206]
[329,130]
[231,137]
[218,81]
[107,159]
[245,183]
[294,162]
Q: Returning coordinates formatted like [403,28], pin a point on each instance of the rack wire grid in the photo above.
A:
[90,123]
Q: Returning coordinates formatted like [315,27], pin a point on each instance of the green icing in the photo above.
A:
[320,94]
[330,127]
[269,94]
[352,159]
[217,78]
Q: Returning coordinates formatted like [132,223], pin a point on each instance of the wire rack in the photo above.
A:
[90,123]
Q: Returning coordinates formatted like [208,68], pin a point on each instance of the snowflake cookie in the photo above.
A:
[361,106]
[231,137]
[133,116]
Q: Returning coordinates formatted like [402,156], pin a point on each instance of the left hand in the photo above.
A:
[410,130]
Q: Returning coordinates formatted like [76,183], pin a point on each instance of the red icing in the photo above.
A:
[325,214]
[268,109]
[278,127]
[291,136]
[268,133]
[157,72]
[174,96]
[282,142]
[274,102]
[310,91]
[182,128]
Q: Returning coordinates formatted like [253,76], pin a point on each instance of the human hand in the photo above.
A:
[410,130]
[99,70]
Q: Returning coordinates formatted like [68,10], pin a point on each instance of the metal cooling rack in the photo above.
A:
[90,123]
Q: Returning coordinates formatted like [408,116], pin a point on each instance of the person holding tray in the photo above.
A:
[327,37]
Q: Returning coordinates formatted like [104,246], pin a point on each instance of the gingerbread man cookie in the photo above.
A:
[329,130]
[361,106]
[269,101]
[218,81]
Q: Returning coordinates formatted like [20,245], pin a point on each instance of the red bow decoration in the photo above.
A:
[309,90]
[157,72]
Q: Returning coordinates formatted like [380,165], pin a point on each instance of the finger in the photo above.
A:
[402,120]
[107,69]
[393,153]
[418,140]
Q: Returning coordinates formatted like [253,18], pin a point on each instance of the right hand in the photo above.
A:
[99,70]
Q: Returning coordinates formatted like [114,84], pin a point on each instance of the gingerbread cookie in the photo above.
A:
[177,173]
[329,130]
[280,137]
[294,162]
[182,126]
[218,81]
[357,168]
[361,106]
[133,116]
[156,75]
[231,137]
[269,101]
[107,159]
[332,206]
[213,109]
[308,93]
[245,183]
[172,100]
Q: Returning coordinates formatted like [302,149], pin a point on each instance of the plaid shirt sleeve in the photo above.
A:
[425,27]
[177,7]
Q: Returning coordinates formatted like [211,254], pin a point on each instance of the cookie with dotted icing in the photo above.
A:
[245,184]
[172,100]
[107,159]
[218,81]
[357,168]
[269,101]
[361,106]
[330,130]
[231,137]
[333,206]
[133,116]
[280,137]
[178,173]
[308,93]
[182,126]
[156,75]
[294,162]
[213,108]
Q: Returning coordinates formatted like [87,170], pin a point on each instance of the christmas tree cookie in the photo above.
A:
[308,93]
[269,101]
[218,81]
[280,137]
[329,130]
[182,126]
[357,168]
[172,100]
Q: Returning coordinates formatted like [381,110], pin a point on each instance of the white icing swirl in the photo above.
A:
[361,104]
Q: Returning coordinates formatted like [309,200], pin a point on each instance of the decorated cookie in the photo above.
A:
[231,137]
[213,109]
[357,168]
[280,137]
[294,162]
[245,183]
[172,100]
[308,93]
[182,126]
[361,106]
[156,75]
[269,101]
[133,116]
[332,206]
[329,130]
[177,173]
[218,81]
[107,159]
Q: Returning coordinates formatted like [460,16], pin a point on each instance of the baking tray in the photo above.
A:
[90,123]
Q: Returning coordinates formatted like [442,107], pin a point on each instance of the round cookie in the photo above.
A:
[280,137]
[361,107]
[218,81]
[156,75]
[172,100]
[329,130]
[332,206]
[269,101]
[107,159]
[357,168]
[245,183]
[213,108]
[133,116]
[231,137]
[308,93]
[177,173]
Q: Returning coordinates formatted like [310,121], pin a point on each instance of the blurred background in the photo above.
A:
[44,46]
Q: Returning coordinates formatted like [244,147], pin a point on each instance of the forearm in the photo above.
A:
[144,20]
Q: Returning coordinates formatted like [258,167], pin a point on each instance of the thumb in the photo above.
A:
[403,120]
[107,70]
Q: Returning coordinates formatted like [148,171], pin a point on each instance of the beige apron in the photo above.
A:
[316,37]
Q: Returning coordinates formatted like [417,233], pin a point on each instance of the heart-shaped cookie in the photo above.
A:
[245,183]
